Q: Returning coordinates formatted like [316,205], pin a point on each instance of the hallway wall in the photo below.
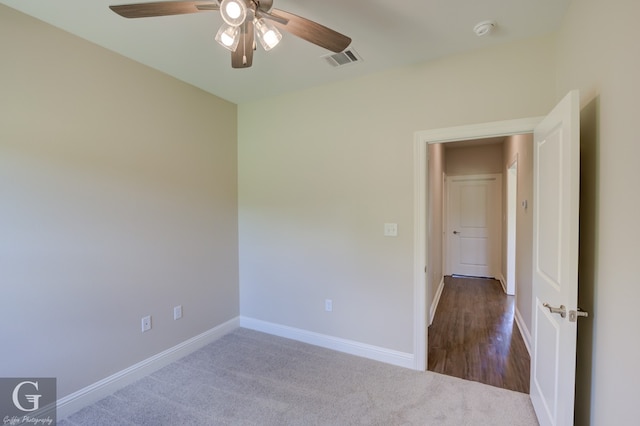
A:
[521,147]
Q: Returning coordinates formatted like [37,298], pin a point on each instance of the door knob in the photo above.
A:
[456,232]
[574,315]
[561,310]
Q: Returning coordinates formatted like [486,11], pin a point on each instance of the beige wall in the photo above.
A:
[321,171]
[118,200]
[102,160]
[520,148]
[474,160]
[604,63]
[437,161]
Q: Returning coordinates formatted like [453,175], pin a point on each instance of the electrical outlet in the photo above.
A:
[177,312]
[328,305]
[146,323]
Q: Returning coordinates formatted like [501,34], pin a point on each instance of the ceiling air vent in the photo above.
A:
[345,57]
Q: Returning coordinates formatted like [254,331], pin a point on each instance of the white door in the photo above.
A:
[555,262]
[474,237]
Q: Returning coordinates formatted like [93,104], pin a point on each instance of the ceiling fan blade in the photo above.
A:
[243,56]
[262,14]
[163,8]
[310,31]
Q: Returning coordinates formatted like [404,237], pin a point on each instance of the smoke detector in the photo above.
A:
[485,27]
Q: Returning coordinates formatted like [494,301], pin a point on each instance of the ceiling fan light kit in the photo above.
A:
[244,21]
[268,35]
[228,37]
[233,12]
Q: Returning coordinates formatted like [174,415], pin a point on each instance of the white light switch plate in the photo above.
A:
[390,229]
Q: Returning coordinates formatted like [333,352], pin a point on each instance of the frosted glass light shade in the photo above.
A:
[228,37]
[233,12]
[268,35]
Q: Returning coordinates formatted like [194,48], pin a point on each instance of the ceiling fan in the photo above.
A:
[244,21]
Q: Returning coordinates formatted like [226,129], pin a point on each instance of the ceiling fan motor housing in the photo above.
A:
[264,5]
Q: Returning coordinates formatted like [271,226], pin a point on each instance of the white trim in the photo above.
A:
[503,282]
[445,224]
[511,215]
[420,253]
[524,331]
[436,301]
[364,350]
[479,131]
[105,387]
[421,140]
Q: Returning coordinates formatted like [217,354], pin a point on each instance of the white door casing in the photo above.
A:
[474,205]
[511,204]
[555,262]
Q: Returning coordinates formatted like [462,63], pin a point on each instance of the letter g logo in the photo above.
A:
[34,399]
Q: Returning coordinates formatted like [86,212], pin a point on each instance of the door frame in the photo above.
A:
[421,208]
[511,215]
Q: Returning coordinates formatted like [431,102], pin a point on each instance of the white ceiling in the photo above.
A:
[386,34]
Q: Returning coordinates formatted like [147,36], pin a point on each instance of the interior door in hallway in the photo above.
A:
[473,225]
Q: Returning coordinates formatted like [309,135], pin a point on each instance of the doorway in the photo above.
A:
[427,288]
[472,334]
[556,148]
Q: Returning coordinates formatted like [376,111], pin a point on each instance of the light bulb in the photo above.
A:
[233,12]
[268,35]
[271,38]
[228,37]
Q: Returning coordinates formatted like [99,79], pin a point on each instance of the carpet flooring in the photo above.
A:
[251,378]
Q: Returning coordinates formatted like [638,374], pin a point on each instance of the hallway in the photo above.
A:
[474,335]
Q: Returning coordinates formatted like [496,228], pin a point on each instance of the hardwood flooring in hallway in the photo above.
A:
[474,335]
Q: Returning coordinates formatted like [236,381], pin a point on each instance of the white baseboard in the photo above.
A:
[524,331]
[364,350]
[436,300]
[105,387]
[503,283]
